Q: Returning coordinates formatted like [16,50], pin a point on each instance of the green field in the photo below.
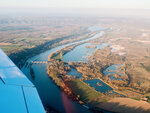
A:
[147,68]
[86,93]
[11,47]
[57,56]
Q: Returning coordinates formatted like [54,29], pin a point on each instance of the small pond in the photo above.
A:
[98,85]
[74,72]
[112,70]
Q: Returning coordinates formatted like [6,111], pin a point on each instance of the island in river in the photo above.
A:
[87,90]
[107,68]
[98,74]
[50,94]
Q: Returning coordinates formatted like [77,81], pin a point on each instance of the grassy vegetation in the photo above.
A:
[13,28]
[136,99]
[147,68]
[11,47]
[57,56]
[86,93]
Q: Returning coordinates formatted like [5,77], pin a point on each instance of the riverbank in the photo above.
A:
[58,56]
[21,57]
[50,93]
[74,88]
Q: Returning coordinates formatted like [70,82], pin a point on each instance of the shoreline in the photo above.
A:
[84,40]
[81,102]
[19,58]
[71,47]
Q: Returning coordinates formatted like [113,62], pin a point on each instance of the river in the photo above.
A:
[49,93]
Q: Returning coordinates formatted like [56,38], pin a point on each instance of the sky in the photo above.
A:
[125,4]
[94,7]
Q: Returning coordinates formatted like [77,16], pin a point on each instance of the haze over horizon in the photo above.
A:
[123,4]
[77,7]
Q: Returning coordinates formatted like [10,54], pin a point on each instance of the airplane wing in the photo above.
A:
[17,93]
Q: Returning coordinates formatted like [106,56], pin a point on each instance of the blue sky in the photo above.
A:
[124,4]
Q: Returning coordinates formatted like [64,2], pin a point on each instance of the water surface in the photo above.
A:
[112,70]
[74,72]
[81,52]
[99,85]
[49,93]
